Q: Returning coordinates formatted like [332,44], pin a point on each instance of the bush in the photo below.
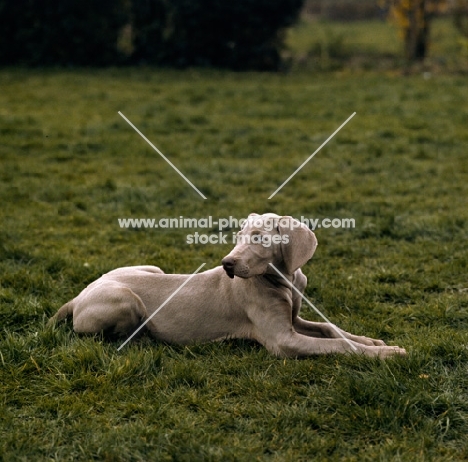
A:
[245,34]
[64,32]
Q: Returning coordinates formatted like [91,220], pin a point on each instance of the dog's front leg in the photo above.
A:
[274,329]
[299,281]
[327,330]
[293,344]
[319,329]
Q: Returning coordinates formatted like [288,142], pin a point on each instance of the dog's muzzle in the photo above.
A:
[228,265]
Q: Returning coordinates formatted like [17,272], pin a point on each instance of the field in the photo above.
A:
[372,44]
[71,166]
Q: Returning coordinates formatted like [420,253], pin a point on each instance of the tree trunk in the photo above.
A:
[417,33]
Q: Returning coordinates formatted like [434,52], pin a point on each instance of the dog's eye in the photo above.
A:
[256,237]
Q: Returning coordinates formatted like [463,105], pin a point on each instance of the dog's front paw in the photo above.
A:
[389,351]
[368,341]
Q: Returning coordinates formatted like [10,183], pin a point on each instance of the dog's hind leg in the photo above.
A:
[110,308]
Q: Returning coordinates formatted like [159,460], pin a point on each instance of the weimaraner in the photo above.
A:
[245,298]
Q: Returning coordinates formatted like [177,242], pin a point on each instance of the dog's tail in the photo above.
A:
[63,313]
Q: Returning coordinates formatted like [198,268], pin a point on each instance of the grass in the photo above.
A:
[70,166]
[372,44]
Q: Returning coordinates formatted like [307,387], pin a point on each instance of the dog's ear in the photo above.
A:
[249,219]
[298,243]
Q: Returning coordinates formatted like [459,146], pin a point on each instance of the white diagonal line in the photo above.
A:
[312,306]
[162,155]
[316,151]
[164,304]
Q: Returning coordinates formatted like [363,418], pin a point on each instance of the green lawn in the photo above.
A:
[376,44]
[71,166]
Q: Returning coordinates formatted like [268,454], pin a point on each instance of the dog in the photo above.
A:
[250,296]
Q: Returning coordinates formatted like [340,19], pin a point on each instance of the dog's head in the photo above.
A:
[283,241]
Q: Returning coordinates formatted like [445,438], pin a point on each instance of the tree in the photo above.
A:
[413,17]
[64,32]
[240,35]
[460,15]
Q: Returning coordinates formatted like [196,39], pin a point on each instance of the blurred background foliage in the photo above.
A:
[245,34]
[61,32]
[241,35]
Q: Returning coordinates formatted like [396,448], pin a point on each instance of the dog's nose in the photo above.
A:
[228,262]
[228,265]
